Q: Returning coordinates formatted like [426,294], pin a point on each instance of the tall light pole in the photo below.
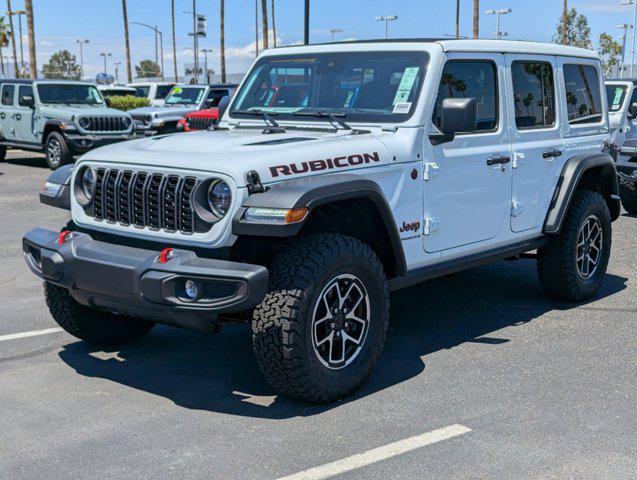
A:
[117,65]
[497,13]
[386,19]
[81,43]
[333,31]
[158,54]
[625,27]
[306,23]
[205,52]
[19,13]
[457,18]
[105,55]
[632,53]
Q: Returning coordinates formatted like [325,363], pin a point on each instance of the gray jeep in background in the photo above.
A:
[181,101]
[59,118]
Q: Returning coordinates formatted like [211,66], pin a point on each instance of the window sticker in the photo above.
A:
[177,91]
[618,96]
[406,84]
[402,107]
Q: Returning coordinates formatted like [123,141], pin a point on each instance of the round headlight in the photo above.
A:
[84,122]
[219,198]
[88,182]
[126,122]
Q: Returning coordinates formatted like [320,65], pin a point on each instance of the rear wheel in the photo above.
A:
[93,326]
[3,153]
[321,328]
[628,194]
[57,151]
[573,264]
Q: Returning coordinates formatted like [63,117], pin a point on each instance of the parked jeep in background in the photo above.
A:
[181,101]
[62,119]
[209,117]
[622,115]
[109,91]
[155,92]
[381,165]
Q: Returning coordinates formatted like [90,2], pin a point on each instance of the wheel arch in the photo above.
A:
[51,126]
[342,203]
[595,172]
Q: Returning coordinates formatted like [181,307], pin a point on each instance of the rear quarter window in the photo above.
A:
[583,95]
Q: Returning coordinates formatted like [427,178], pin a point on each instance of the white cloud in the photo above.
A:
[45,43]
[604,8]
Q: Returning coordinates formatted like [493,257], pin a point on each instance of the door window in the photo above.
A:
[162,91]
[533,94]
[615,95]
[583,95]
[466,79]
[7,94]
[24,91]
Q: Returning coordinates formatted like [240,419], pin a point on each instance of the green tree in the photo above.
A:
[62,65]
[147,69]
[4,40]
[610,53]
[578,32]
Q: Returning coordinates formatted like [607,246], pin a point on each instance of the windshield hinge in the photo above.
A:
[253,182]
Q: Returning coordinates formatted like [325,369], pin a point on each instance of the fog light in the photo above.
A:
[191,289]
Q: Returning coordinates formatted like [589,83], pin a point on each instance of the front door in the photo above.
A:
[7,111]
[536,138]
[24,116]
[468,188]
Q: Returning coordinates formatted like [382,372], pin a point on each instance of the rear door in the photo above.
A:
[468,191]
[7,110]
[24,116]
[536,137]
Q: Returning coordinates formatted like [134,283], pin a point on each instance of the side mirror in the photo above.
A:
[223,105]
[458,115]
[632,110]
[27,101]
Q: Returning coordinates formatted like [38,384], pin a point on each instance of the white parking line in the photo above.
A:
[378,454]
[32,333]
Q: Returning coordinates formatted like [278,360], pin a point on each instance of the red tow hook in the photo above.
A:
[165,255]
[63,236]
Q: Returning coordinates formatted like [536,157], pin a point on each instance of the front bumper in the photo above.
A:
[83,143]
[130,280]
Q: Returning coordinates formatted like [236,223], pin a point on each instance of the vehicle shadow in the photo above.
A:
[28,161]
[218,373]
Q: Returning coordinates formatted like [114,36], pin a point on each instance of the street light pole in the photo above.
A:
[497,13]
[335,30]
[19,13]
[81,43]
[105,55]
[625,27]
[632,53]
[159,34]
[386,19]
[205,52]
[117,64]
[306,23]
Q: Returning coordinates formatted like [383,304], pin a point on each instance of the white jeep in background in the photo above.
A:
[338,173]
[155,92]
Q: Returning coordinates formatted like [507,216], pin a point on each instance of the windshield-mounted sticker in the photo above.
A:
[402,107]
[618,96]
[406,84]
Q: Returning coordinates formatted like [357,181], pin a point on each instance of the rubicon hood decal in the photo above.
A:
[327,164]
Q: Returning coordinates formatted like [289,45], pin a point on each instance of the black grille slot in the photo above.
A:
[199,123]
[145,119]
[105,124]
[146,200]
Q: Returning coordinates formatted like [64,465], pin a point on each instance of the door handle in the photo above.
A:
[498,160]
[553,153]
[3,115]
[17,116]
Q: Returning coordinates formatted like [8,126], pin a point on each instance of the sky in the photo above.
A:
[59,23]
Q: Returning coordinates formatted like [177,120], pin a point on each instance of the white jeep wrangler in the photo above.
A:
[338,173]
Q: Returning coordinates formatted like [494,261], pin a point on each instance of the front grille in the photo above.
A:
[104,124]
[143,199]
[140,117]
[199,123]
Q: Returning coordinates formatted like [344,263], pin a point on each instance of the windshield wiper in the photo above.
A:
[333,117]
[273,125]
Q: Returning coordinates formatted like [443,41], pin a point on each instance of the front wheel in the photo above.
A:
[57,151]
[321,328]
[573,264]
[3,153]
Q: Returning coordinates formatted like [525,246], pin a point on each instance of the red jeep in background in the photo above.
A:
[204,119]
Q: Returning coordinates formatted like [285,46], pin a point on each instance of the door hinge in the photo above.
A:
[432,225]
[431,170]
[517,208]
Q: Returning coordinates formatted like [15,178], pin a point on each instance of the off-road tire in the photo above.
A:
[557,261]
[282,323]
[628,194]
[3,153]
[53,141]
[93,326]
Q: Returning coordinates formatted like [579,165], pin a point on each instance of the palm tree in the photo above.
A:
[33,63]
[264,23]
[172,20]
[273,26]
[129,71]
[4,40]
[222,39]
[16,71]
[564,22]
[476,18]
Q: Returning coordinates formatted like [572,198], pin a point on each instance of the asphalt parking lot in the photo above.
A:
[482,377]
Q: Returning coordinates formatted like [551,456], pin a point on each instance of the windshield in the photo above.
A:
[364,86]
[69,93]
[185,96]
[616,95]
[117,92]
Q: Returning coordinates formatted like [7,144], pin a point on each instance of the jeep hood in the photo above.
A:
[66,112]
[235,152]
[165,112]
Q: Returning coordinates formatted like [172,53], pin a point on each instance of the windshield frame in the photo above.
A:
[38,86]
[423,56]
[203,89]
